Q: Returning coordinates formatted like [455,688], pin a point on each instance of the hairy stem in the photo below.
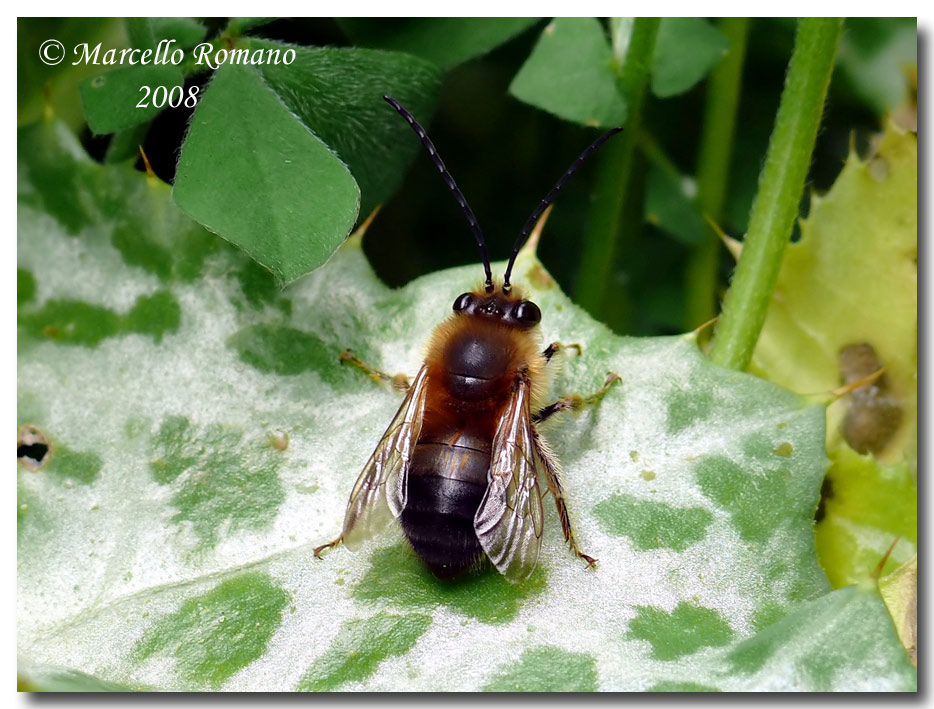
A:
[781,183]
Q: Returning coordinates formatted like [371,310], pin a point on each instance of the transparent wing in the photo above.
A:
[509,521]
[381,487]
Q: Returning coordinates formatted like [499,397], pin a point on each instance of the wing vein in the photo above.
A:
[380,489]
[509,521]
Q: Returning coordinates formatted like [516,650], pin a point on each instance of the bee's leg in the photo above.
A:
[573,402]
[556,347]
[398,381]
[550,465]
[332,543]
[553,480]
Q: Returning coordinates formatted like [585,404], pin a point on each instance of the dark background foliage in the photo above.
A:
[506,154]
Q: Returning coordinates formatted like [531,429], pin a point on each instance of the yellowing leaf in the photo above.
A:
[864,507]
[900,593]
[852,279]
[849,287]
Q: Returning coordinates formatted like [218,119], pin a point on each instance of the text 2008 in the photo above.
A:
[161,96]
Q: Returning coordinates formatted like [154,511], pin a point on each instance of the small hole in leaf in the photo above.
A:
[34,452]
[32,447]
[826,492]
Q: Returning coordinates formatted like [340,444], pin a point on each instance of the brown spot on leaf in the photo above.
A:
[279,440]
[874,413]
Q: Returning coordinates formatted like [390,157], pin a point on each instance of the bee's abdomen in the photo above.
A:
[446,484]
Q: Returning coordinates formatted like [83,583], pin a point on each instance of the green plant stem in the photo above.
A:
[781,183]
[713,164]
[601,242]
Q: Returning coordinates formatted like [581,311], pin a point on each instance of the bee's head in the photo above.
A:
[508,308]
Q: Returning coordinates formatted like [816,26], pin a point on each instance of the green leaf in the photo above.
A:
[360,646]
[687,48]
[215,634]
[900,592]
[823,641]
[124,145]
[236,26]
[683,631]
[172,551]
[111,100]
[50,679]
[41,87]
[546,669]
[852,278]
[819,645]
[215,489]
[148,32]
[851,281]
[570,73]
[865,507]
[446,41]
[252,173]
[145,230]
[670,205]
[25,286]
[653,525]
[338,94]
[875,57]
[275,153]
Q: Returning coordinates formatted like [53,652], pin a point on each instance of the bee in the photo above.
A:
[459,464]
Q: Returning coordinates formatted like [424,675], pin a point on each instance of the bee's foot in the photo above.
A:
[318,550]
[591,562]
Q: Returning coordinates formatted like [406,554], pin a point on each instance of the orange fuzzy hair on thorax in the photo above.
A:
[487,330]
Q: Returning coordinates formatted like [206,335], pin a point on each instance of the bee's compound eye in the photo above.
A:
[462,302]
[528,313]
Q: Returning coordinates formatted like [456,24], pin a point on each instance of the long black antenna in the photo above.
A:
[549,198]
[452,185]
